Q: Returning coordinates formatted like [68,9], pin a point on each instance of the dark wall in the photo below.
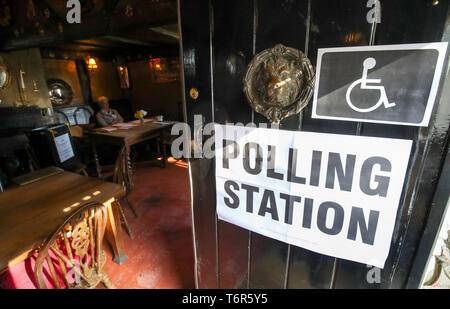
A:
[105,82]
[155,98]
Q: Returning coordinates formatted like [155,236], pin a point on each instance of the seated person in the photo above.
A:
[106,116]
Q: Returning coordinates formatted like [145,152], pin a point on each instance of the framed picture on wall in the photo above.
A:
[165,70]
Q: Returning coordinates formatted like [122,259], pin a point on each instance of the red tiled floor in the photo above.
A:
[161,254]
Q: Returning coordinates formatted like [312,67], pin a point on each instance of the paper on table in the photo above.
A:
[123,125]
[160,122]
[138,121]
[106,129]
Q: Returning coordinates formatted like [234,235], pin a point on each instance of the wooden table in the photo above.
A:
[32,212]
[125,138]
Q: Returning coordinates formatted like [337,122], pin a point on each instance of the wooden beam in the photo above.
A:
[127,41]
[166,32]
[72,33]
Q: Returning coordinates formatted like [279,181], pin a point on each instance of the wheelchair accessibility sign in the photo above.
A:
[395,84]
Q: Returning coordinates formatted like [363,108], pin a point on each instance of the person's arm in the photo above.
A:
[119,117]
[100,120]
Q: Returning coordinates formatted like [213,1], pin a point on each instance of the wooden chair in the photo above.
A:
[120,173]
[74,253]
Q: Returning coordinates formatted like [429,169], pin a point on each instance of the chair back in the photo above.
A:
[122,171]
[74,254]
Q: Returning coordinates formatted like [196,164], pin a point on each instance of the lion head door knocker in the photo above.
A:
[279,82]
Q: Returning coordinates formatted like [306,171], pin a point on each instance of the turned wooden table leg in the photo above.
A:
[97,162]
[114,233]
[163,147]
[158,145]
[118,176]
[129,178]
[129,169]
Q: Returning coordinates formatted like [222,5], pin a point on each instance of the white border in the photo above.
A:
[441,47]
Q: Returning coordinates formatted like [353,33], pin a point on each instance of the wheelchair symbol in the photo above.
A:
[368,64]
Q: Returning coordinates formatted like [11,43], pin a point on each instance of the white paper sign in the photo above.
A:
[64,147]
[337,195]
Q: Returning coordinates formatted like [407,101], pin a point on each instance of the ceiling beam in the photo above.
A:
[165,31]
[72,33]
[127,41]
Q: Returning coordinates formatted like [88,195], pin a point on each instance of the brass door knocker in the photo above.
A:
[279,82]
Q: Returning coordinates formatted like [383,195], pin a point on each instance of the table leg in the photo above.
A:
[118,176]
[97,162]
[114,233]
[158,145]
[130,181]
[163,147]
[129,169]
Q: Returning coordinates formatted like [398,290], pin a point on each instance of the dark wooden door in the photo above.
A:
[219,39]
